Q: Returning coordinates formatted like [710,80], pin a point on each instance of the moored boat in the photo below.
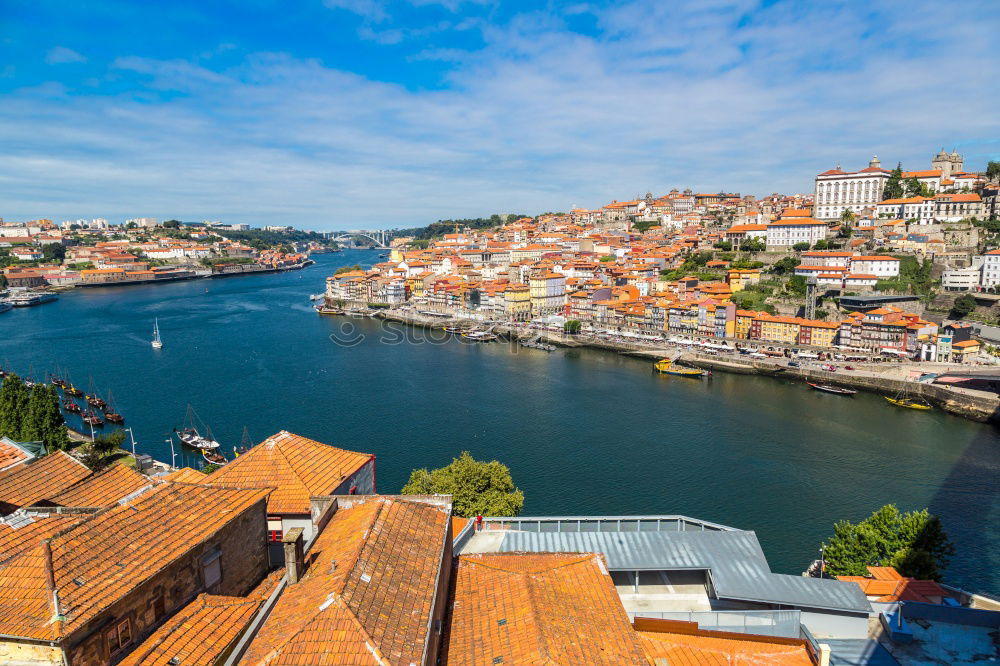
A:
[213,457]
[190,436]
[831,389]
[71,407]
[904,399]
[668,367]
[909,403]
[92,419]
[5,306]
[27,299]
[480,336]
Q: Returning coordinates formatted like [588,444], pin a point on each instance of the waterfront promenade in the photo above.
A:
[877,375]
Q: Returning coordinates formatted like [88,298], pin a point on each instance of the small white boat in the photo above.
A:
[317,297]
[157,343]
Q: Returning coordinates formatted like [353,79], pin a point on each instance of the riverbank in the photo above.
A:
[980,406]
[183,276]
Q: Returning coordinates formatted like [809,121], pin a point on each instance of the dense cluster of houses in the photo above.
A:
[611,277]
[101,256]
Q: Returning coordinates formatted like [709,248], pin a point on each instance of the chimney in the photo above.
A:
[294,554]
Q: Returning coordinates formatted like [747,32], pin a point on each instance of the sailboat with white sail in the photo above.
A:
[157,342]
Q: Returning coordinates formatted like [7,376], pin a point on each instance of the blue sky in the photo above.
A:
[347,113]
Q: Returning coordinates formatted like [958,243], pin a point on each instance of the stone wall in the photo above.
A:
[974,405]
[243,547]
[15,654]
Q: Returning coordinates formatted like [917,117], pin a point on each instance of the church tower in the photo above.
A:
[943,161]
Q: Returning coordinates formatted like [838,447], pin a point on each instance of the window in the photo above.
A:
[118,635]
[274,535]
[211,568]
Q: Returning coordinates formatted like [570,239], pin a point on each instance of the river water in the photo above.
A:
[583,431]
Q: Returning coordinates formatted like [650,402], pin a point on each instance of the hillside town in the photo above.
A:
[849,268]
[40,254]
[288,555]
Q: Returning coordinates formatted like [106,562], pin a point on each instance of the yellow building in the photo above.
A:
[778,329]
[744,318]
[819,333]
[517,302]
[740,278]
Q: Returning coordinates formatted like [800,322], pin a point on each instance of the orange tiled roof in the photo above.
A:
[368,594]
[202,631]
[21,531]
[140,537]
[296,467]
[539,608]
[186,475]
[703,649]
[101,489]
[26,484]
[10,454]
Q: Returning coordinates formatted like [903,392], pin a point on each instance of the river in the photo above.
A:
[583,431]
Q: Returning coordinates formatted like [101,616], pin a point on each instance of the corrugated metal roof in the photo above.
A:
[737,564]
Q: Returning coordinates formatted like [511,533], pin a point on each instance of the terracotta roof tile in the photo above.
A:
[296,467]
[26,484]
[103,489]
[23,530]
[11,454]
[538,608]
[202,631]
[368,594]
[140,536]
[186,475]
[702,650]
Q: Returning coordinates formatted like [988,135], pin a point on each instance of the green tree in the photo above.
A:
[753,245]
[172,224]
[573,326]
[100,453]
[848,216]
[14,397]
[476,487]
[42,420]
[785,265]
[800,247]
[822,244]
[894,185]
[347,269]
[53,252]
[914,543]
[993,170]
[962,306]
[723,245]
[797,285]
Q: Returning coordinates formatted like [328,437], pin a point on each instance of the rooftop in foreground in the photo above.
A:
[735,566]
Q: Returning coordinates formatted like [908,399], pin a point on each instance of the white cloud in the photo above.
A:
[61,55]
[539,119]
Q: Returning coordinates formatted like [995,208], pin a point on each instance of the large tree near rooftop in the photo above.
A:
[914,543]
[477,487]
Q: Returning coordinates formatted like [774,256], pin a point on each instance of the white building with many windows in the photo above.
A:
[838,190]
[991,269]
[792,230]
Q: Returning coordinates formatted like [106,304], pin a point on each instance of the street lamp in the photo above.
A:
[173,456]
[132,437]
